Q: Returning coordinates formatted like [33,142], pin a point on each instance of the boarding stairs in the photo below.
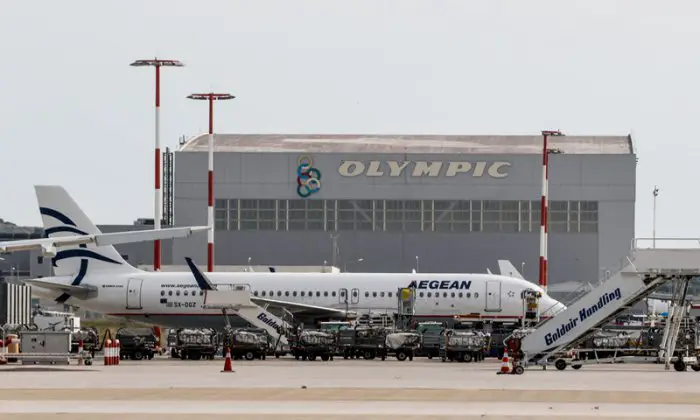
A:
[643,271]
[236,301]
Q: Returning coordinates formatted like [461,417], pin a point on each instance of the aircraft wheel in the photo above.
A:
[518,370]
[696,368]
[680,366]
[560,364]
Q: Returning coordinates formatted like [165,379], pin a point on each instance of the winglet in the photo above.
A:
[507,269]
[201,279]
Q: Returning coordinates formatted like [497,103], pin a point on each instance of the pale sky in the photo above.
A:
[72,111]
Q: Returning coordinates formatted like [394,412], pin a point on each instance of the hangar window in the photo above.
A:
[589,216]
[306,214]
[402,215]
[355,214]
[559,216]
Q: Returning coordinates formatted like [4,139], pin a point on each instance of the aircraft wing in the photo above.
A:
[298,307]
[49,245]
[79,292]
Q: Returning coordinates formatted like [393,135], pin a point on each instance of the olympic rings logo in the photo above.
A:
[308,177]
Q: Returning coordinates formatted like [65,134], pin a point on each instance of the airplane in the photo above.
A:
[97,278]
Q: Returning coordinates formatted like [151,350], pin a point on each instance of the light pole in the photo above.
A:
[544,205]
[157,63]
[653,232]
[417,264]
[211,97]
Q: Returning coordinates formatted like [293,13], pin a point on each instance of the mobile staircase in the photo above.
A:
[235,300]
[643,271]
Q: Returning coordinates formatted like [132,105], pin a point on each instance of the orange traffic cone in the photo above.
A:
[505,363]
[227,362]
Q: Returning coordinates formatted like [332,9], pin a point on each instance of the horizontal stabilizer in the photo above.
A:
[48,245]
[79,292]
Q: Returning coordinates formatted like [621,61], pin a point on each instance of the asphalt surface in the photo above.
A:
[344,389]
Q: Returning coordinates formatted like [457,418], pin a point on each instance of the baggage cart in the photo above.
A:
[309,344]
[463,346]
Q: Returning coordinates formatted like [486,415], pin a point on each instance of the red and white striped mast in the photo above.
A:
[211,97]
[158,197]
[544,207]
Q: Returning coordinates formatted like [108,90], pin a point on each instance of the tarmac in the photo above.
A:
[285,389]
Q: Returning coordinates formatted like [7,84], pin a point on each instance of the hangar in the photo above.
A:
[401,202]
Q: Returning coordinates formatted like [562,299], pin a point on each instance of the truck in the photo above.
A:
[246,343]
[309,344]
[137,343]
[362,341]
[195,344]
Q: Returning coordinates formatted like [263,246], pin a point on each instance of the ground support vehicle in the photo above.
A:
[402,345]
[195,344]
[246,343]
[136,343]
[90,338]
[309,344]
[463,346]
[431,338]
[362,341]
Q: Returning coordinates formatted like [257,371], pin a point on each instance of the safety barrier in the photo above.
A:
[112,352]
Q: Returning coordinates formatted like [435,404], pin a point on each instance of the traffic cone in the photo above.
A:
[505,363]
[107,347]
[80,352]
[227,362]
[117,352]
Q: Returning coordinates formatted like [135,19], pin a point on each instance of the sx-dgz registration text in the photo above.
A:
[184,304]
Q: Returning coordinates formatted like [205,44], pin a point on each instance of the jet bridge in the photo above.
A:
[644,270]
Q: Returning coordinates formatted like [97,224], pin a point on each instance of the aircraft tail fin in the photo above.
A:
[62,217]
[507,269]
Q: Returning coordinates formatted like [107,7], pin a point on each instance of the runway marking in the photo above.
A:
[354,394]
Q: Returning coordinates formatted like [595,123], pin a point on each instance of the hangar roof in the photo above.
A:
[368,143]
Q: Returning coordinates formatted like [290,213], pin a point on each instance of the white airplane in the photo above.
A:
[97,278]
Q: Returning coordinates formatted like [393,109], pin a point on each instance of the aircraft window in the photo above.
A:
[294,293]
[325,294]
[255,293]
[453,294]
[374,294]
[389,294]
[444,294]
[279,293]
[342,293]
[460,295]
[185,293]
[366,294]
[311,294]
[263,293]
[162,292]
[271,293]
[476,295]
[286,292]
[354,293]
[333,294]
[302,294]
[422,294]
[430,294]
[469,295]
[381,294]
[170,292]
[318,294]
[177,293]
